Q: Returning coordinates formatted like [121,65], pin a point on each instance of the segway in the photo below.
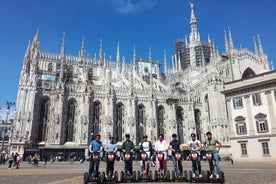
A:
[161,175]
[146,175]
[111,177]
[178,176]
[214,179]
[128,177]
[95,178]
[194,157]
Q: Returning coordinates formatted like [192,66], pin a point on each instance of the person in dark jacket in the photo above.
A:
[128,147]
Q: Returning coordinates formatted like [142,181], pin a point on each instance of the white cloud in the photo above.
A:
[133,6]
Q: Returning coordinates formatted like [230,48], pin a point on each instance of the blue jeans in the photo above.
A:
[128,167]
[211,164]
[146,165]
[196,165]
[180,168]
[92,165]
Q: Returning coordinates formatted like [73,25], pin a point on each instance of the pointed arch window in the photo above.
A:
[96,117]
[50,67]
[43,119]
[160,120]
[119,116]
[70,125]
[179,122]
[141,123]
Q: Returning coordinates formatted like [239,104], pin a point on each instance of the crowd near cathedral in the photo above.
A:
[64,100]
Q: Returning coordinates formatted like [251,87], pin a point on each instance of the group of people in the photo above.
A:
[161,145]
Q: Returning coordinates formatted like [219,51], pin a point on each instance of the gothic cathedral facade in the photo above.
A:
[64,100]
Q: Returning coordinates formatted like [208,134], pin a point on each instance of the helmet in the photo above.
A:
[127,135]
[208,133]
[111,137]
[193,134]
[145,136]
[174,135]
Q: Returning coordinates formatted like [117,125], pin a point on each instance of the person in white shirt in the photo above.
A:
[146,147]
[195,145]
[161,145]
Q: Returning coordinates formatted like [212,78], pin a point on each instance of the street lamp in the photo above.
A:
[9,104]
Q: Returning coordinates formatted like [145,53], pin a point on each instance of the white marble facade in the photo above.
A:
[63,100]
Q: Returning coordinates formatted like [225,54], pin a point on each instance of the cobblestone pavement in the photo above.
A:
[64,172]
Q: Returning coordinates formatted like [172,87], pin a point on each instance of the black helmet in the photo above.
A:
[193,134]
[111,137]
[145,136]
[207,133]
[174,135]
[127,135]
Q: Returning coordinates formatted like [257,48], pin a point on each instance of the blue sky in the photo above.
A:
[145,23]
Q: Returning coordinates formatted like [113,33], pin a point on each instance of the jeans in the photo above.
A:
[196,165]
[128,167]
[109,167]
[211,164]
[179,163]
[92,165]
[146,165]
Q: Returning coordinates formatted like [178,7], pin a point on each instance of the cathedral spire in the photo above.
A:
[149,53]
[101,53]
[82,48]
[231,45]
[226,42]
[165,62]
[194,35]
[134,58]
[118,53]
[63,47]
[255,47]
[35,45]
[260,46]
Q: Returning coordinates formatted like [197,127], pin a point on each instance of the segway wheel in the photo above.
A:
[173,176]
[168,178]
[204,176]
[102,177]
[116,176]
[134,176]
[139,176]
[122,176]
[185,175]
[190,176]
[85,178]
[155,175]
[208,175]
[221,177]
[150,176]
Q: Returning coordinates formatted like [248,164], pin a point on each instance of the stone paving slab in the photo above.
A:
[64,172]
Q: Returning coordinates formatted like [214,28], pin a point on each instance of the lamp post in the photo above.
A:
[9,104]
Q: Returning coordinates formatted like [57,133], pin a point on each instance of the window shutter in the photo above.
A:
[266,125]
[234,104]
[254,99]
[237,128]
[257,125]
[245,129]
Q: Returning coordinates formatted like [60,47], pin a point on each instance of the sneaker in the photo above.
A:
[211,176]
[217,176]
[193,175]
[200,175]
